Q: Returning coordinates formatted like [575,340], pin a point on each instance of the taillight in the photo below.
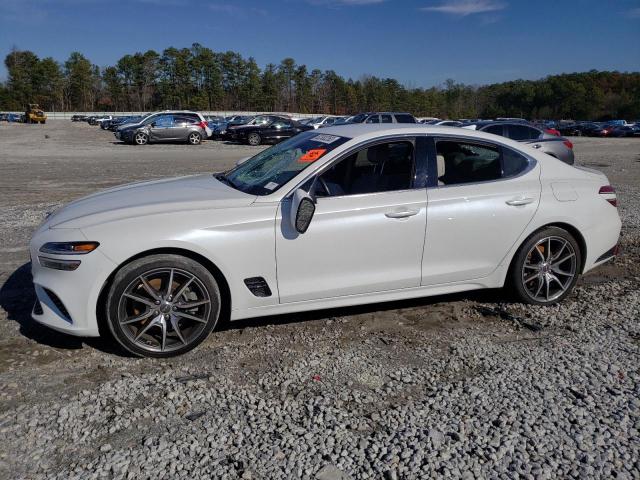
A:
[609,194]
[203,125]
[568,144]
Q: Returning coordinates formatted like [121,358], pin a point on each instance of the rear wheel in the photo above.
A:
[140,138]
[194,138]
[546,267]
[162,305]
[254,139]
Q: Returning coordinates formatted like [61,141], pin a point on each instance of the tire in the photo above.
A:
[140,138]
[546,267]
[194,138]
[254,139]
[153,320]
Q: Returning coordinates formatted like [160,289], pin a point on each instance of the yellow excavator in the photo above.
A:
[34,114]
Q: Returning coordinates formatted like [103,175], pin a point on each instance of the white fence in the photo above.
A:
[68,115]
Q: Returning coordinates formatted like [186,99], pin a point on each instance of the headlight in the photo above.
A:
[69,248]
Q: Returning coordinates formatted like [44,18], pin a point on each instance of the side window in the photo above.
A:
[522,132]
[379,168]
[373,119]
[404,118]
[281,124]
[386,118]
[164,121]
[513,162]
[495,129]
[462,162]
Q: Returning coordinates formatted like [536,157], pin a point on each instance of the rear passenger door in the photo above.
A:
[481,198]
[181,126]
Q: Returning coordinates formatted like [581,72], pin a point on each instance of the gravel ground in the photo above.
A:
[462,386]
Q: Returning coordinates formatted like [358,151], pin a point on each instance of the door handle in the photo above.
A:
[516,202]
[402,214]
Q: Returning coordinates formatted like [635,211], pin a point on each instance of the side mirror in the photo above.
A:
[153,125]
[303,206]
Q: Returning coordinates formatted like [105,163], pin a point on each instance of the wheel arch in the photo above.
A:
[225,291]
[575,233]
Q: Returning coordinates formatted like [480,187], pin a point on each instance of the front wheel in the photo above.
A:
[254,139]
[546,267]
[162,305]
[141,138]
[194,138]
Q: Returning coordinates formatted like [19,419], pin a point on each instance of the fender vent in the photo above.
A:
[258,286]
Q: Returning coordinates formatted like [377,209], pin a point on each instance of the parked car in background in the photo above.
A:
[596,130]
[15,117]
[78,118]
[97,120]
[114,124]
[324,220]
[220,131]
[321,122]
[165,127]
[553,145]
[625,131]
[267,129]
[383,117]
[447,123]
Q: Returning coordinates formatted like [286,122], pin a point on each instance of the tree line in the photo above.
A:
[202,79]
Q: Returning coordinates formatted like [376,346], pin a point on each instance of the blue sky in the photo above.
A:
[419,42]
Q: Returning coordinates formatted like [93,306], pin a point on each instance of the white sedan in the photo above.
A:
[356,214]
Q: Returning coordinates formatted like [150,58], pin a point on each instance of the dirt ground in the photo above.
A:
[43,166]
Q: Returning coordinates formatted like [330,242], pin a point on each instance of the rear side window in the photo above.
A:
[513,163]
[404,118]
[386,118]
[461,162]
[522,132]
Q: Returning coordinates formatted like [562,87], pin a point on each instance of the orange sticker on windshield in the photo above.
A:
[312,155]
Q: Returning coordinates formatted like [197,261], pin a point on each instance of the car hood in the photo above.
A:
[148,198]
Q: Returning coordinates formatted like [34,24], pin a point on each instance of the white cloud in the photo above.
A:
[462,8]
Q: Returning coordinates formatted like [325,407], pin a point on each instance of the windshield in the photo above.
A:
[270,169]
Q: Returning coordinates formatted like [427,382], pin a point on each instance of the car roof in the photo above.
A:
[360,131]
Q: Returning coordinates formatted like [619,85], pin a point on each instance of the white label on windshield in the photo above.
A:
[325,138]
[271,185]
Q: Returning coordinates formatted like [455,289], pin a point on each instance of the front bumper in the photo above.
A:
[67,299]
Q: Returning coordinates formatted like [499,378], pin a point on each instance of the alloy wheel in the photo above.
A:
[140,138]
[549,269]
[194,138]
[254,139]
[164,309]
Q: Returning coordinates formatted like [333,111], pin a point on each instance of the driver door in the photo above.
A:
[162,128]
[367,233]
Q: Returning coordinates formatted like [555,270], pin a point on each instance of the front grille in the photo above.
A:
[58,303]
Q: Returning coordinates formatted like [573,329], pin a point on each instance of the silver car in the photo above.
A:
[165,127]
[558,147]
